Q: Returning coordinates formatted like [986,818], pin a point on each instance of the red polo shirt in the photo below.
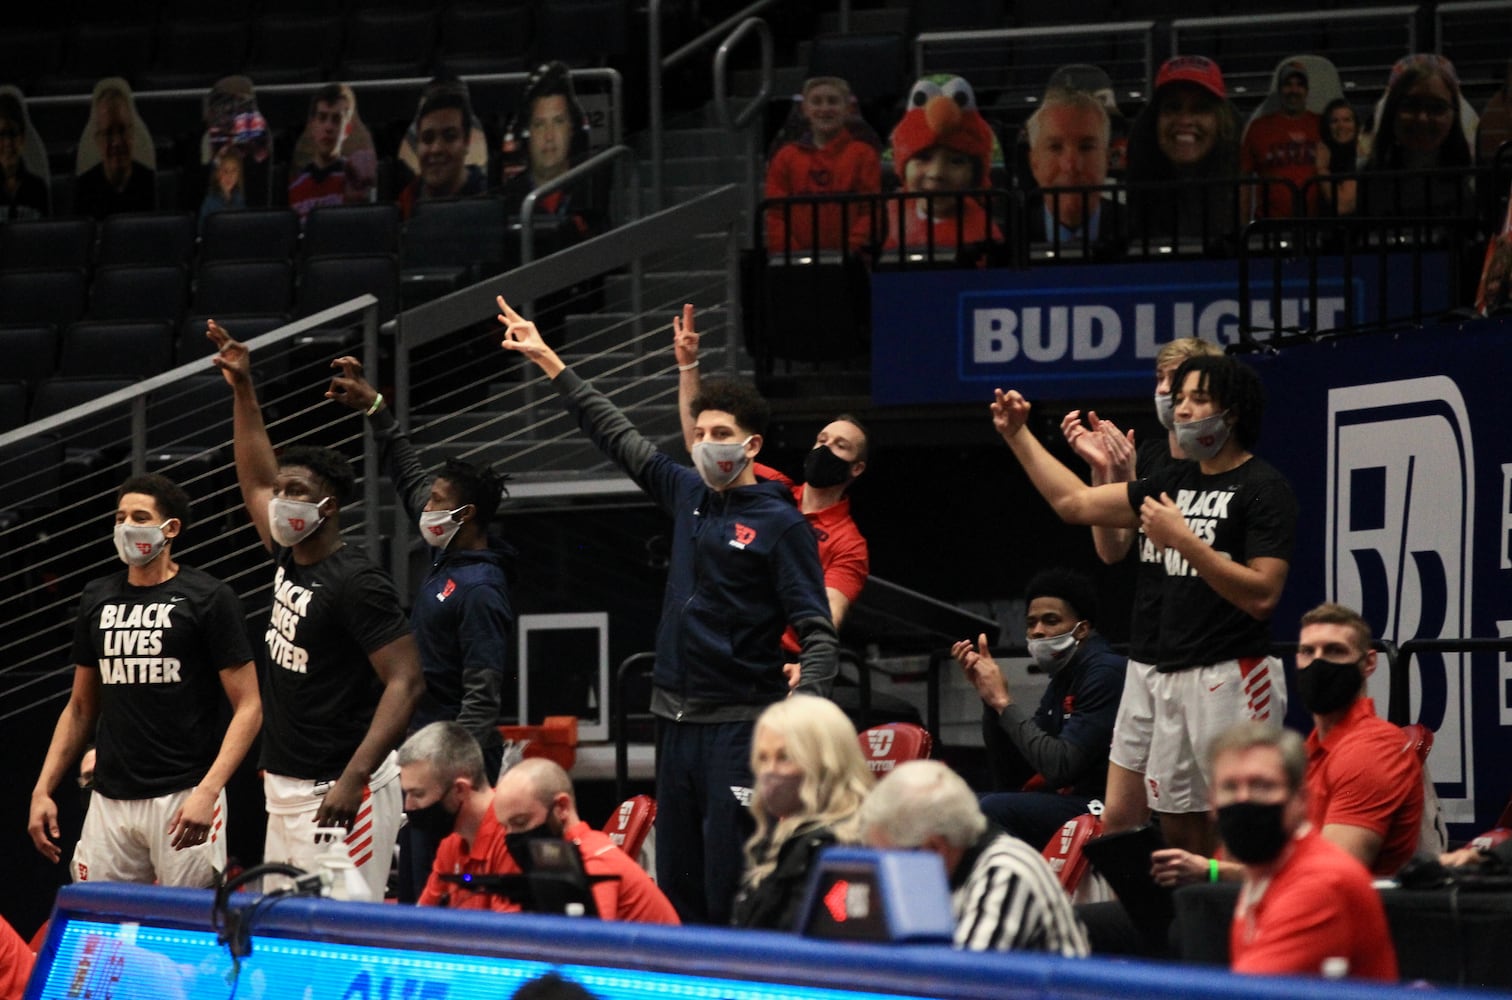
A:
[1364,775]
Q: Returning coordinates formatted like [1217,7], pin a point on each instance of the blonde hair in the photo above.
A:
[823,743]
[1182,348]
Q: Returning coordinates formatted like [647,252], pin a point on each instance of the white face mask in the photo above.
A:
[1055,651]
[139,544]
[721,464]
[1201,439]
[1165,409]
[439,527]
[292,521]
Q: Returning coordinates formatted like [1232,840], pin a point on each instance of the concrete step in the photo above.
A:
[672,194]
[693,141]
[665,292]
[787,82]
[872,20]
[699,250]
[703,170]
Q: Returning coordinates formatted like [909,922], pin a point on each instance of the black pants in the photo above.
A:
[703,789]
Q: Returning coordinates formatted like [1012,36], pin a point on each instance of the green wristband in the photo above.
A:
[1212,869]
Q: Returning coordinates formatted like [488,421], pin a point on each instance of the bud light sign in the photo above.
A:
[1076,332]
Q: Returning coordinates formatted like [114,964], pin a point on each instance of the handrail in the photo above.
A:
[657,64]
[1401,680]
[721,86]
[173,375]
[613,76]
[1462,7]
[928,38]
[135,395]
[621,716]
[584,169]
[1299,17]
[741,121]
[442,317]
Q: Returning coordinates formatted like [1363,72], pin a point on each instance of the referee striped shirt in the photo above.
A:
[1005,897]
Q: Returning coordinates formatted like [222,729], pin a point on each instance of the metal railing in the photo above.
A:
[196,95]
[56,544]
[657,65]
[1141,33]
[1287,24]
[484,419]
[740,121]
[588,168]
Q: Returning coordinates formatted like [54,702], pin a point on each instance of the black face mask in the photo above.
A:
[1328,685]
[434,821]
[518,844]
[1253,832]
[823,468]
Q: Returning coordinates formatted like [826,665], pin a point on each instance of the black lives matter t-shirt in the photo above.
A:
[320,690]
[159,652]
[1246,513]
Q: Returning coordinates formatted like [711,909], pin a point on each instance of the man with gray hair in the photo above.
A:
[1307,906]
[1068,148]
[447,797]
[1003,894]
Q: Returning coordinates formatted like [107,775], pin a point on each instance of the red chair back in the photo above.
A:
[888,745]
[1419,738]
[629,825]
[1064,852]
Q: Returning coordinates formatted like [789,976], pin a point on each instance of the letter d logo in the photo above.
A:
[1401,500]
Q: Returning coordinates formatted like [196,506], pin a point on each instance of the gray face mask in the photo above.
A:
[292,521]
[721,463]
[1165,409]
[1201,439]
[139,544]
[1054,652]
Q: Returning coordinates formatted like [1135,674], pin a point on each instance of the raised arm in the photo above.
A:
[685,349]
[256,465]
[1073,500]
[397,665]
[75,724]
[1109,453]
[400,459]
[598,417]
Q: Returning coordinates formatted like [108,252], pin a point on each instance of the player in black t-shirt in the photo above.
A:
[1113,458]
[343,672]
[153,649]
[1224,525]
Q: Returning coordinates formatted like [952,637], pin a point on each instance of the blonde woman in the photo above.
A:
[810,782]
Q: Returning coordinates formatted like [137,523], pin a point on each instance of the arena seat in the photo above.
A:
[228,287]
[111,349]
[352,229]
[892,743]
[251,234]
[631,827]
[1065,853]
[146,238]
[65,242]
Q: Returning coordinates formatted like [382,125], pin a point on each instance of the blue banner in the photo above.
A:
[1092,331]
[1402,464]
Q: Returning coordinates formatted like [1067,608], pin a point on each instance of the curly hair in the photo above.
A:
[1234,386]
[739,399]
[329,465]
[476,484]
